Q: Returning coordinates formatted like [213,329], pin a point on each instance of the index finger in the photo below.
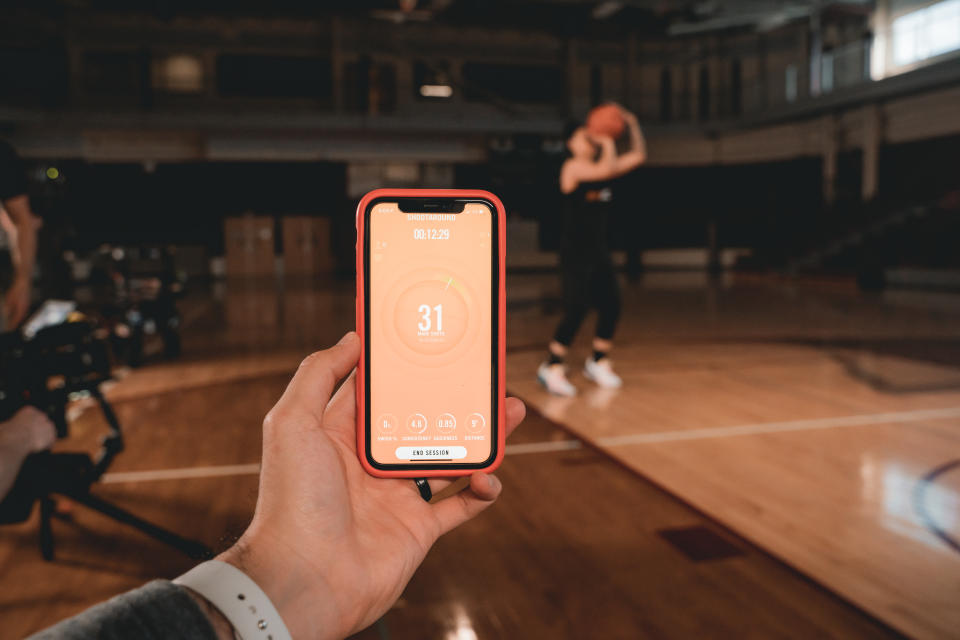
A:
[312,385]
[515,412]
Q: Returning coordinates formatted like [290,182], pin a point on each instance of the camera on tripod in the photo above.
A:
[49,366]
[57,358]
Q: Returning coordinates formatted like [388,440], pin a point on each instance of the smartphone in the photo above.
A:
[430,314]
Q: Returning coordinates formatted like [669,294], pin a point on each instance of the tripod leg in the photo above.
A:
[46,529]
[194,549]
[107,410]
[113,443]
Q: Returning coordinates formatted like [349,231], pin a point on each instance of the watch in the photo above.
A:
[238,598]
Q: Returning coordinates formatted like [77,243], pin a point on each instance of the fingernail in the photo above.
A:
[493,482]
[347,337]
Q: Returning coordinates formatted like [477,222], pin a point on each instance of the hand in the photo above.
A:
[17,301]
[29,431]
[626,113]
[332,546]
[600,139]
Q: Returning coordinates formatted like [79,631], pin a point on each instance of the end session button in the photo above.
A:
[431,453]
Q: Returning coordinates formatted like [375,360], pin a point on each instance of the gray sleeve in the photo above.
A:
[159,609]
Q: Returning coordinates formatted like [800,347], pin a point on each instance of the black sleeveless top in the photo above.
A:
[585,211]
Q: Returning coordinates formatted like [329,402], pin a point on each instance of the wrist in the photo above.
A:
[297,590]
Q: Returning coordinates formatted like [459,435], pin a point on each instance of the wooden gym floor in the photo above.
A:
[761,473]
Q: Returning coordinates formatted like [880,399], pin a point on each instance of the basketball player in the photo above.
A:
[586,267]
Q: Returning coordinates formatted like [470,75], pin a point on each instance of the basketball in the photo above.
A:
[606,120]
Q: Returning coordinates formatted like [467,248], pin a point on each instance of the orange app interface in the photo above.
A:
[430,342]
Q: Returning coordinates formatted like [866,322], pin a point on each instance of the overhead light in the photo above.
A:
[436,90]
[606,9]
[180,73]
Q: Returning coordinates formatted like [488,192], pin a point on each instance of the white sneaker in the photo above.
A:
[554,379]
[602,373]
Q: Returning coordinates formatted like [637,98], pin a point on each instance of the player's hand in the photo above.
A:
[332,546]
[600,139]
[16,303]
[628,116]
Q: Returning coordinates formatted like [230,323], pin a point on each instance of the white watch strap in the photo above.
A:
[238,598]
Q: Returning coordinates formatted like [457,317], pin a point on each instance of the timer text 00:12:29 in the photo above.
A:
[431,234]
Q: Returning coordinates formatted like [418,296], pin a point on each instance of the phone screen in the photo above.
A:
[431,296]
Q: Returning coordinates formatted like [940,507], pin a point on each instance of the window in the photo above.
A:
[927,32]
[943,27]
[790,82]
[826,72]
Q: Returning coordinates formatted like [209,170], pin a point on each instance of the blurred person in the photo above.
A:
[330,548]
[18,240]
[28,431]
[588,277]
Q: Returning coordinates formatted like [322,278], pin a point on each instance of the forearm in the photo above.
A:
[608,152]
[637,141]
[637,153]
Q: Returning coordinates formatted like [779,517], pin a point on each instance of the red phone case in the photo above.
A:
[361,328]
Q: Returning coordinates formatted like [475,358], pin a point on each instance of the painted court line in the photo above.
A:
[548,446]
[775,427]
[543,447]
[184,473]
